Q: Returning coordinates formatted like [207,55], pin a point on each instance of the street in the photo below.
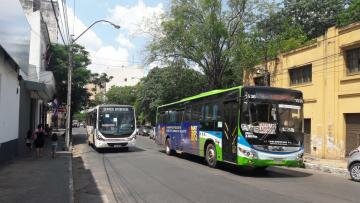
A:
[146,174]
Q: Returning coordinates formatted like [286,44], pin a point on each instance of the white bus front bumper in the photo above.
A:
[115,143]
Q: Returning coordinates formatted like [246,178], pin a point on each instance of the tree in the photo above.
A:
[165,85]
[314,16]
[58,64]
[121,95]
[100,80]
[203,32]
[351,14]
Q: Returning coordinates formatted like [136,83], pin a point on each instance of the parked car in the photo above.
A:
[75,124]
[140,130]
[354,164]
[152,133]
[148,130]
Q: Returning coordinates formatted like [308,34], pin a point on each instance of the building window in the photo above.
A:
[353,61]
[263,80]
[300,75]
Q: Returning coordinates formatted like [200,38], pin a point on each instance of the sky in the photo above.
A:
[109,47]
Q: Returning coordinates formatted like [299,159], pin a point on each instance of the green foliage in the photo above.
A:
[275,34]
[100,80]
[59,66]
[350,15]
[79,116]
[165,85]
[313,16]
[99,98]
[121,95]
[203,32]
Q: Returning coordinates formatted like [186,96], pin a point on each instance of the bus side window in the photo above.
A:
[167,117]
[188,114]
[196,113]
[215,113]
[180,116]
[208,113]
[172,116]
[202,115]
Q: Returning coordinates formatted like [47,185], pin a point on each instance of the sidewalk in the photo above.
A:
[338,167]
[27,179]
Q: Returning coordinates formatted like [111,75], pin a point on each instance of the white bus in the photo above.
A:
[111,126]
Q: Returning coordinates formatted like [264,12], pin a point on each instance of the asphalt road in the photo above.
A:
[146,174]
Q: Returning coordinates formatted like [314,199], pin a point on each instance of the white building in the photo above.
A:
[38,84]
[14,58]
[124,76]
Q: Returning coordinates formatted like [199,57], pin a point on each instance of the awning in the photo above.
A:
[44,88]
[37,90]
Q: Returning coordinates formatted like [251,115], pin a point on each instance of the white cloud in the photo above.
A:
[137,19]
[109,57]
[124,41]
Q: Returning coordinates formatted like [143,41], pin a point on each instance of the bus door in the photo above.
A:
[229,137]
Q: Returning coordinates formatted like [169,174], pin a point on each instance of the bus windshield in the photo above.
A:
[290,118]
[266,117]
[116,121]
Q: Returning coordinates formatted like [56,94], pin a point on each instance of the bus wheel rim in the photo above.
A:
[211,155]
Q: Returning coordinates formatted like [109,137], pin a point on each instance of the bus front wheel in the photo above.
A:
[210,155]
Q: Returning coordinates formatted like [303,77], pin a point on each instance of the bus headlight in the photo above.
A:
[300,156]
[249,153]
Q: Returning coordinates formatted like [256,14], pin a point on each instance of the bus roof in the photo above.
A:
[248,88]
[201,95]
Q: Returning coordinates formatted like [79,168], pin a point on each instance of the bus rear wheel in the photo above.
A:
[210,155]
[168,150]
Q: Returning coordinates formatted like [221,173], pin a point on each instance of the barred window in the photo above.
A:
[353,61]
[300,75]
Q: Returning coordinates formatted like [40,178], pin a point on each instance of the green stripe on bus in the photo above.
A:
[201,95]
[243,161]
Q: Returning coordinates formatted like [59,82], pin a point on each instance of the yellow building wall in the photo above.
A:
[332,92]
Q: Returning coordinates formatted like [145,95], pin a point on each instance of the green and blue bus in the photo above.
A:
[247,126]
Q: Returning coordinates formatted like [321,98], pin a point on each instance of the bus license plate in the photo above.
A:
[278,161]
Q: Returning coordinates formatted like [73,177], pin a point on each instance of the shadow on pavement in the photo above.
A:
[121,150]
[271,172]
[85,187]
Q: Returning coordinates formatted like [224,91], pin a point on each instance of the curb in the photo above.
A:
[327,169]
[71,181]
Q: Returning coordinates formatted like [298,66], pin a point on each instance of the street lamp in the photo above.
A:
[68,109]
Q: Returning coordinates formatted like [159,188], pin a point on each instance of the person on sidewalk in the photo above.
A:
[28,140]
[39,140]
[54,144]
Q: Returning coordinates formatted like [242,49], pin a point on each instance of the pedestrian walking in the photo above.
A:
[39,140]
[28,140]
[54,144]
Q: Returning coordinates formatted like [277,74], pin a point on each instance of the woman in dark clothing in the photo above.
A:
[39,140]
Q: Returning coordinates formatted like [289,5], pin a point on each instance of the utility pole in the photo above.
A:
[70,70]
[68,106]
